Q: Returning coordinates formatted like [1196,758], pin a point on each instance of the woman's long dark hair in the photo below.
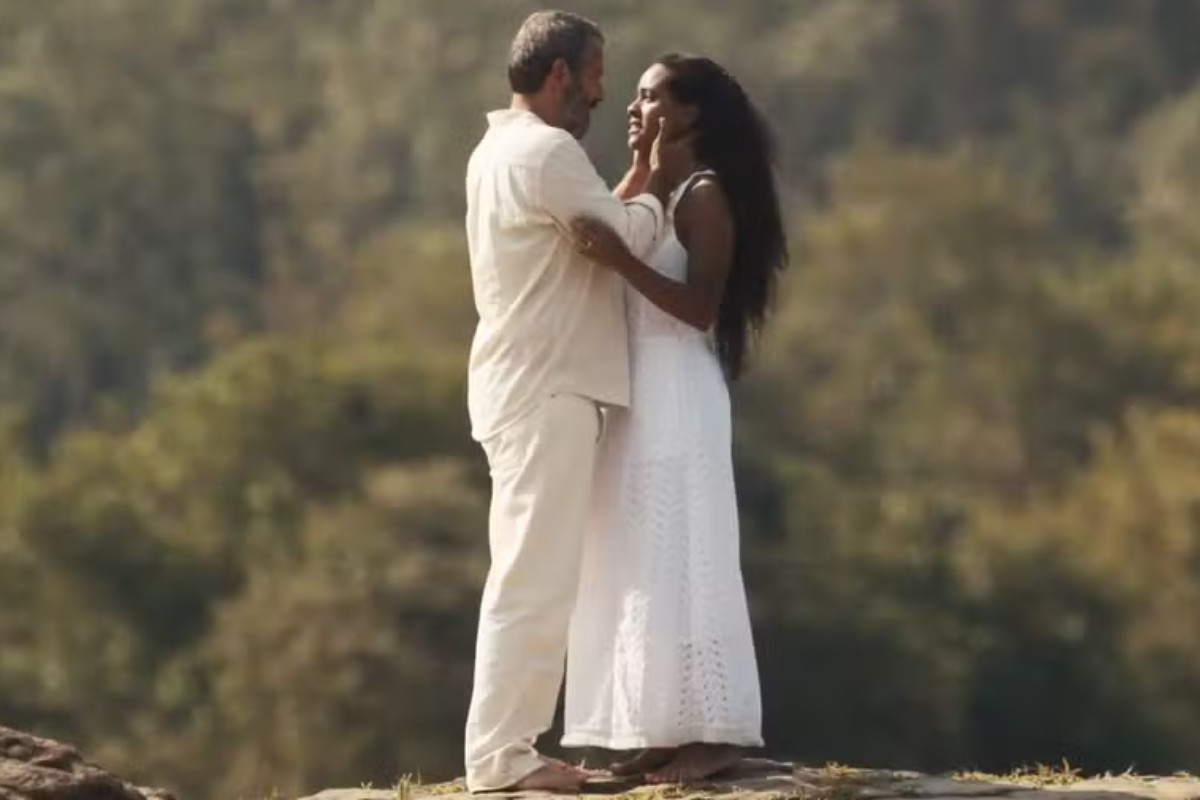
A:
[733,140]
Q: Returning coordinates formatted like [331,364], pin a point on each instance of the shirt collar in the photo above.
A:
[507,116]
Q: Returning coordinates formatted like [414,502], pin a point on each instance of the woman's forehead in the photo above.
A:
[653,76]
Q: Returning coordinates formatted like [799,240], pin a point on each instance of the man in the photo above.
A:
[549,353]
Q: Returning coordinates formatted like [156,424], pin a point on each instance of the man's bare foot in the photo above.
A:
[651,758]
[550,777]
[697,762]
[578,769]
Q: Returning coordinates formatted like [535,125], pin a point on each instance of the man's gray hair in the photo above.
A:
[545,37]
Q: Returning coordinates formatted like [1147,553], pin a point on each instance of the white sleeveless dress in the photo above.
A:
[660,649]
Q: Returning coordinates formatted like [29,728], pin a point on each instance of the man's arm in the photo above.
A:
[569,187]
[636,179]
[705,225]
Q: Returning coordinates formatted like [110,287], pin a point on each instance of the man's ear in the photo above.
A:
[560,72]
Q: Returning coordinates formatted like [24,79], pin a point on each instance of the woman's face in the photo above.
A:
[651,104]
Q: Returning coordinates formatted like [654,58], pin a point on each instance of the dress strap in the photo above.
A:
[684,187]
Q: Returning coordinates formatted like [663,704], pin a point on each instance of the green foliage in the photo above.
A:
[1091,591]
[128,238]
[946,363]
[331,660]
[242,526]
[142,536]
[1167,154]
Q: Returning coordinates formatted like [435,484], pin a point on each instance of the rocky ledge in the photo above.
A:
[32,768]
[761,779]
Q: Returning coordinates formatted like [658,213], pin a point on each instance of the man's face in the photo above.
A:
[584,91]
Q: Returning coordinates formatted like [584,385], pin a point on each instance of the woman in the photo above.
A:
[661,659]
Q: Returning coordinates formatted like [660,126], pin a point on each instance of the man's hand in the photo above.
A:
[600,243]
[671,152]
[670,157]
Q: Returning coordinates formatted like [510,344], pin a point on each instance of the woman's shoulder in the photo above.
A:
[699,199]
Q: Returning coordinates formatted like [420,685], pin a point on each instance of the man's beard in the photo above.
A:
[577,112]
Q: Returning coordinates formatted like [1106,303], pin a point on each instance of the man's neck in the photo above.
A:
[536,105]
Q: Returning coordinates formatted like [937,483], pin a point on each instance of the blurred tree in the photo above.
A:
[964,453]
[351,663]
[904,391]
[128,235]
[1092,646]
[139,536]
[1166,155]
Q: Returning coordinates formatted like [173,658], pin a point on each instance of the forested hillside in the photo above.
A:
[242,524]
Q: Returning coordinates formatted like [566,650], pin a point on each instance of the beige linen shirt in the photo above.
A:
[550,320]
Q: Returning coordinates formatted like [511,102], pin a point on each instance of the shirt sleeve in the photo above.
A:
[568,186]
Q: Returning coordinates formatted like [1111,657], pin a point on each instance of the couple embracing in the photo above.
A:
[610,323]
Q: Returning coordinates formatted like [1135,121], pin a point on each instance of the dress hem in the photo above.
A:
[635,741]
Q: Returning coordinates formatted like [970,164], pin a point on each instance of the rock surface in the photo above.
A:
[761,779]
[32,768]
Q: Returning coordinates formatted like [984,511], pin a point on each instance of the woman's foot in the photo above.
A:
[697,762]
[647,760]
